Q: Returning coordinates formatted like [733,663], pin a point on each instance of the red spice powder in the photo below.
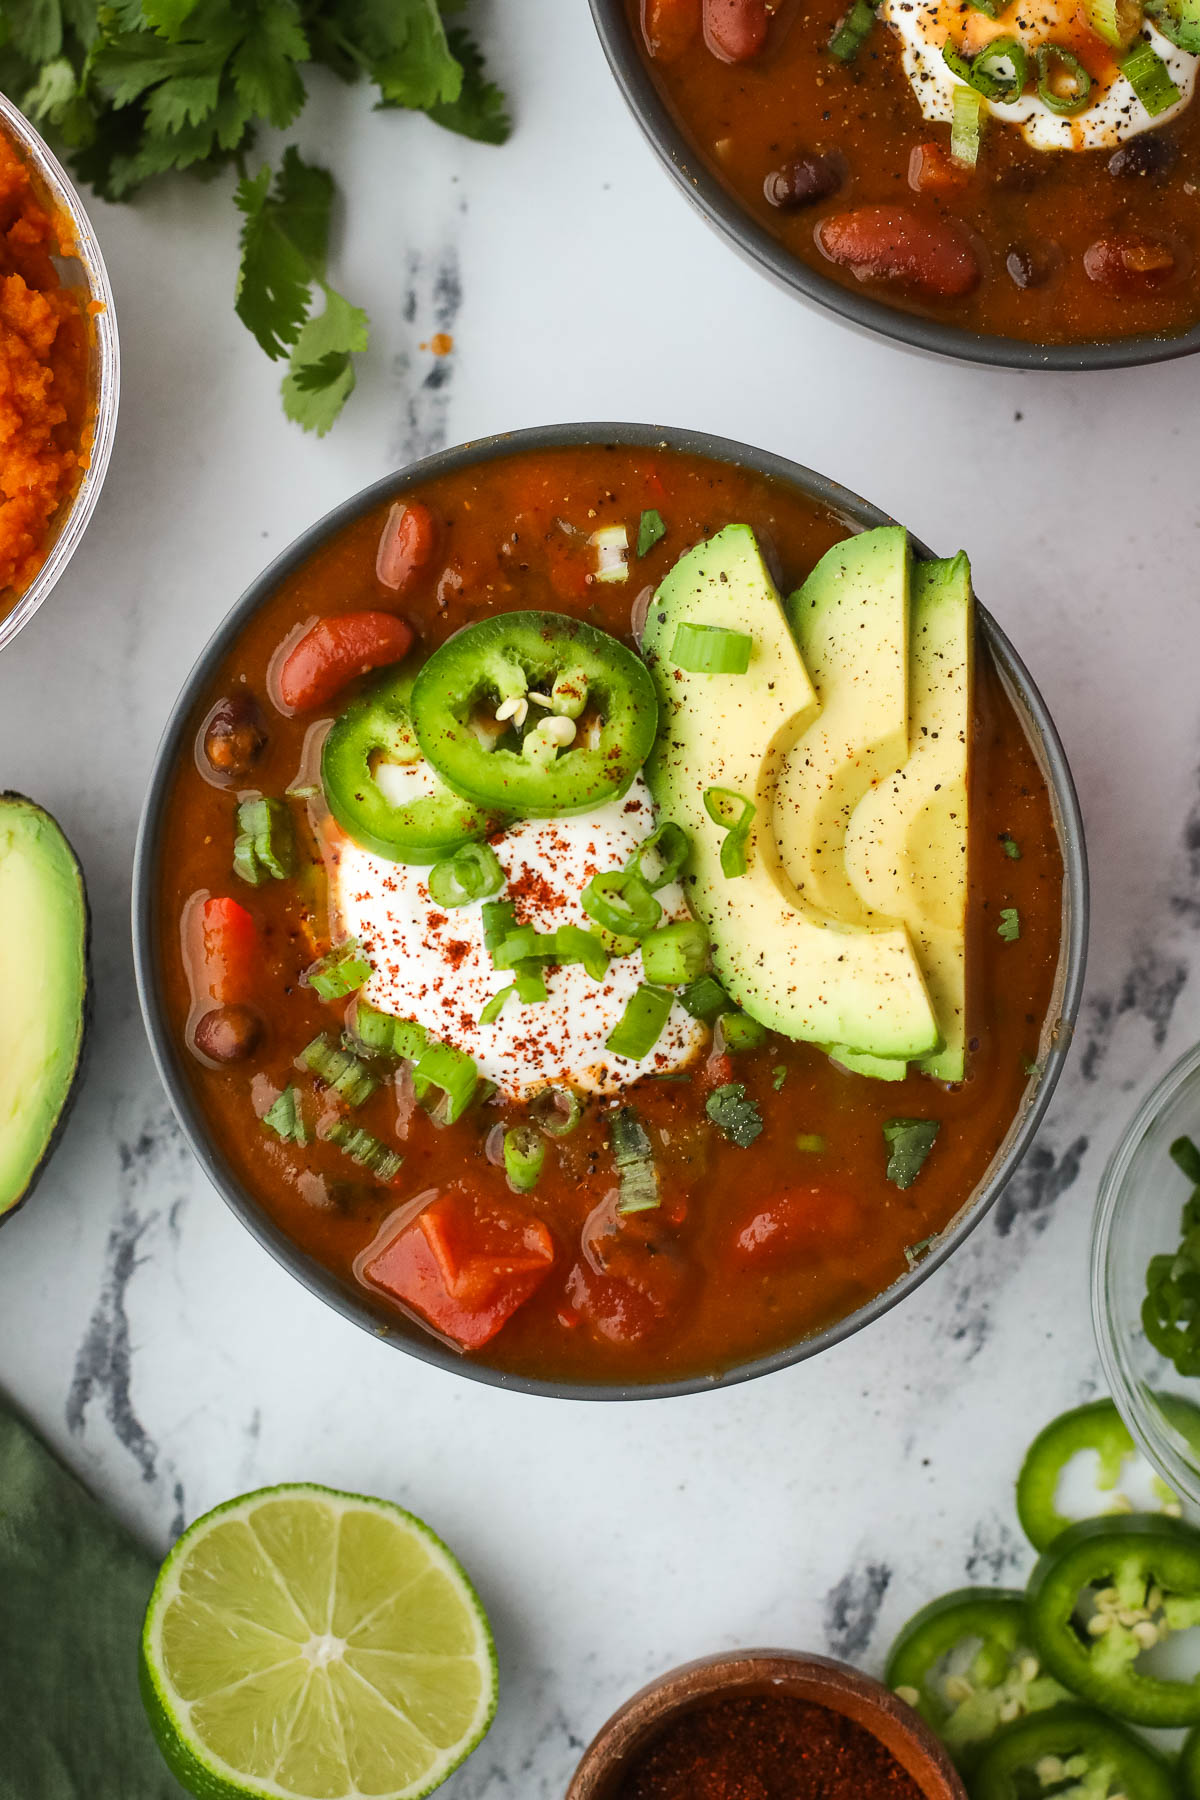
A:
[766,1747]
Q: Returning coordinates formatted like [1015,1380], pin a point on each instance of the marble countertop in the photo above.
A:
[166,1357]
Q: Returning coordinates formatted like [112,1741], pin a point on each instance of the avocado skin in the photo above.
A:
[10,1205]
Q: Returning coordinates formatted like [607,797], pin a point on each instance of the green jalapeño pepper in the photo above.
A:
[535,713]
[966,1663]
[1070,1753]
[1188,1769]
[380,790]
[1107,1591]
[1097,1430]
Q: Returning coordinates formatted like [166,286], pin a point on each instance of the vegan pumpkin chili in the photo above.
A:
[765,1747]
[504,1065]
[1023,168]
[43,376]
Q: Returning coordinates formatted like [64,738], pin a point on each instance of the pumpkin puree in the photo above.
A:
[43,377]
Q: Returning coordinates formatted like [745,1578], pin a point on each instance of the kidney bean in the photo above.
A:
[407,543]
[234,735]
[670,27]
[1149,156]
[1129,262]
[804,181]
[735,30]
[932,170]
[228,1034]
[335,651]
[898,245]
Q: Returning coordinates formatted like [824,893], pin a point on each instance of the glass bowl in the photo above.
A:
[1137,1216]
[86,271]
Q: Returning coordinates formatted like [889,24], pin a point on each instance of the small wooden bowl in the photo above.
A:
[835,1685]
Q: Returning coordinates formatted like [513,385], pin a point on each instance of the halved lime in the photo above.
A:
[302,1644]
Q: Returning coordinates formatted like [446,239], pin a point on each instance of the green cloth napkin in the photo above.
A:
[73,1589]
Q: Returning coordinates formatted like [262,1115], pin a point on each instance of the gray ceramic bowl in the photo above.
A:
[723,210]
[345,1295]
[86,271]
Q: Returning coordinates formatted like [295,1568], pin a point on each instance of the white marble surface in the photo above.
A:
[157,1347]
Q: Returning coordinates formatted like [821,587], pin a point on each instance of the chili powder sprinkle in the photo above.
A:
[766,1747]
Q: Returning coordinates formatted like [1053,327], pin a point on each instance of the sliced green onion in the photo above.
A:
[519,944]
[1116,21]
[966,125]
[737,1031]
[668,847]
[611,544]
[365,1149]
[620,902]
[524,1157]
[556,1111]
[779,1075]
[641,1024]
[573,944]
[999,71]
[718,802]
[472,873]
[339,1070]
[811,1142]
[454,1073]
[633,1154]
[495,1005]
[1179,22]
[705,999]
[1150,79]
[408,1039]
[499,919]
[650,530]
[265,846]
[530,983]
[851,31]
[675,954]
[286,1119]
[1054,61]
[711,650]
[991,9]
[374,1030]
[339,971]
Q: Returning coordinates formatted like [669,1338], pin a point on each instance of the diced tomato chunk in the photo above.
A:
[466,1266]
[335,651]
[932,170]
[229,939]
[800,1221]
[613,1308]
[670,27]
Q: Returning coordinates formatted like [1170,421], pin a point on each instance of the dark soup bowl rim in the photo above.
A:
[820,1680]
[915,331]
[342,1293]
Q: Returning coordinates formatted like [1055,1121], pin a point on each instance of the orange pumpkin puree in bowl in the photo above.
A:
[44,355]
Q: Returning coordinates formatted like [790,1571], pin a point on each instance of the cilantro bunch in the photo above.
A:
[136,89]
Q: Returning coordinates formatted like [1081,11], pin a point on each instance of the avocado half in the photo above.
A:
[45,930]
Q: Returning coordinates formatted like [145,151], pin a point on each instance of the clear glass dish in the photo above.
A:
[1137,1216]
[86,271]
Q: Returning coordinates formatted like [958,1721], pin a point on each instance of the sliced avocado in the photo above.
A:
[781,959]
[906,849]
[879,1068]
[44,930]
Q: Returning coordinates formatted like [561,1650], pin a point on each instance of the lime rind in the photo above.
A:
[411,1678]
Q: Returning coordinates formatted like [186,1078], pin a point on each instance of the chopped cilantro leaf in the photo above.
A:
[779,1075]
[734,1115]
[909,1142]
[1009,927]
[481,111]
[650,531]
[1011,847]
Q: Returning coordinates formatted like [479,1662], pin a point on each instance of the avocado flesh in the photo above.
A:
[906,849]
[43,985]
[850,620]
[782,960]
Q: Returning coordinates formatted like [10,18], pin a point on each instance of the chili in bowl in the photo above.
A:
[59,370]
[554,917]
[999,181]
[765,1722]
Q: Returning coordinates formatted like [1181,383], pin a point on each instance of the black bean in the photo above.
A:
[1030,268]
[234,735]
[228,1034]
[804,181]
[1147,157]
